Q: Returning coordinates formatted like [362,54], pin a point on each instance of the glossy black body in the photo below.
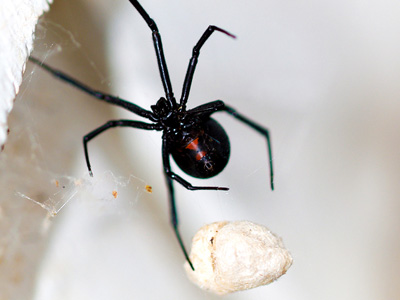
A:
[201,151]
[198,143]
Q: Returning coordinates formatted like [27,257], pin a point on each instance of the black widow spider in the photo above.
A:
[198,143]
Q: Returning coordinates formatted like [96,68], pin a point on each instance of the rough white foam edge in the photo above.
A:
[18,19]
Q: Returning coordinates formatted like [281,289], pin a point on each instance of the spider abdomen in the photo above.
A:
[203,151]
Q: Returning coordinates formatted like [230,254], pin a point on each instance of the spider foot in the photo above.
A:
[214,188]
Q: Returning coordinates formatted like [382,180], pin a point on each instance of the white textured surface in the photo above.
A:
[23,224]
[18,19]
[235,256]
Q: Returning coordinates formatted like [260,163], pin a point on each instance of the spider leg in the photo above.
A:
[99,95]
[174,219]
[162,65]
[219,105]
[111,124]
[207,108]
[193,62]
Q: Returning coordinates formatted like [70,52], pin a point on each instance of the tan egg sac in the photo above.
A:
[236,256]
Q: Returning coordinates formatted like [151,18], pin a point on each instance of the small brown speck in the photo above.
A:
[115,194]
[57,183]
[149,189]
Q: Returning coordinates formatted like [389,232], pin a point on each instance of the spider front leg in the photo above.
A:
[162,65]
[193,62]
[111,124]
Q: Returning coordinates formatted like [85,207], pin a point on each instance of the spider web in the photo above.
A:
[39,174]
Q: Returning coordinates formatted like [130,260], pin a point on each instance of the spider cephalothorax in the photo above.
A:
[163,109]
